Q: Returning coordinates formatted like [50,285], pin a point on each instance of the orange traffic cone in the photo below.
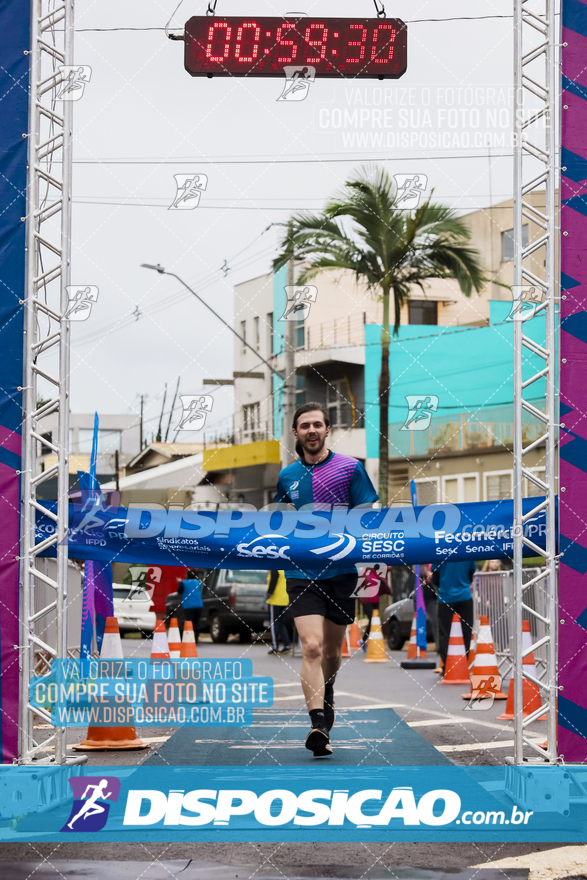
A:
[111,738]
[413,646]
[174,638]
[530,692]
[375,646]
[160,649]
[346,646]
[354,636]
[473,647]
[456,669]
[485,662]
[188,645]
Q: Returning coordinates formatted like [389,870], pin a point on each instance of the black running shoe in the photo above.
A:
[329,715]
[318,742]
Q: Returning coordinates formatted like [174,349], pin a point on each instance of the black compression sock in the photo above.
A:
[317,717]
[328,694]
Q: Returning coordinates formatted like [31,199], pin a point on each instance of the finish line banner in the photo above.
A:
[222,804]
[296,540]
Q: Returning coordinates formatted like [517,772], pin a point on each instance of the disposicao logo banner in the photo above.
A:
[154,803]
[297,540]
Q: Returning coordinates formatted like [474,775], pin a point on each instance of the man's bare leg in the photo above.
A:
[332,649]
[311,632]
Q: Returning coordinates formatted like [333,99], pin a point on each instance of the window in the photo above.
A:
[299,334]
[498,485]
[270,332]
[244,335]
[460,488]
[428,490]
[256,333]
[108,441]
[251,419]
[507,242]
[300,390]
[338,405]
[421,311]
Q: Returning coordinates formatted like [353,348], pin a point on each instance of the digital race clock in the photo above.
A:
[258,46]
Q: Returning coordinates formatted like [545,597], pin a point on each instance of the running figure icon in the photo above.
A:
[297,82]
[420,411]
[91,807]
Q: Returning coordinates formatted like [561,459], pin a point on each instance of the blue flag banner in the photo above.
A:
[215,804]
[421,628]
[324,540]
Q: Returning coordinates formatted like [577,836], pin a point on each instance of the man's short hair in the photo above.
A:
[312,406]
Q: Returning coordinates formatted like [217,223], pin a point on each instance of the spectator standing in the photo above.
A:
[190,590]
[454,581]
[278,600]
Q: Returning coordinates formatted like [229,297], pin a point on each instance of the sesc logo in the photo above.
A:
[90,805]
[259,552]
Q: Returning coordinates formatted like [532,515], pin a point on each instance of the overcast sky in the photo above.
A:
[141,105]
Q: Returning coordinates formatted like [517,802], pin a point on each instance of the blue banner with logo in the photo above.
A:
[199,804]
[295,540]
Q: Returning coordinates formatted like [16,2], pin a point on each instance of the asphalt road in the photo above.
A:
[432,710]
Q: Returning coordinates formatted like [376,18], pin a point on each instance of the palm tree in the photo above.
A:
[389,249]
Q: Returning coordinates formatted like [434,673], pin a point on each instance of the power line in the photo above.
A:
[407,21]
[272,161]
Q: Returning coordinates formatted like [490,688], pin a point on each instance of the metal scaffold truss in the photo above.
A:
[46,375]
[535,361]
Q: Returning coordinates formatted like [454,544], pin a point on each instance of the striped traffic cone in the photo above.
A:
[111,738]
[346,646]
[174,639]
[485,661]
[160,649]
[188,645]
[354,636]
[456,668]
[375,646]
[530,692]
[416,658]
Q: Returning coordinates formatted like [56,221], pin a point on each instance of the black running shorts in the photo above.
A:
[330,598]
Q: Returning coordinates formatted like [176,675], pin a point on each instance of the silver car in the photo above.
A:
[133,607]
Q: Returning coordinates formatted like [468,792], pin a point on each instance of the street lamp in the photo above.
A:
[162,271]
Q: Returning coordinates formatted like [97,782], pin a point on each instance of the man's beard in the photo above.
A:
[314,451]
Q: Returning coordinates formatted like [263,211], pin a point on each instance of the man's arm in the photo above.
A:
[272,582]
[362,490]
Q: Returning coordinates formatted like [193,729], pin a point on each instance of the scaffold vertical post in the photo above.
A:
[535,364]
[46,350]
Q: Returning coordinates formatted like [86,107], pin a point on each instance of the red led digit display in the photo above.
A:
[258,46]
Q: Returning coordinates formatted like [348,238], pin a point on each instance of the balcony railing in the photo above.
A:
[340,331]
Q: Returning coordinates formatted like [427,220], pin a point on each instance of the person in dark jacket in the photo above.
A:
[190,590]
[454,597]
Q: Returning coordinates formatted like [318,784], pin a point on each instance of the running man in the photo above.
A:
[91,808]
[321,601]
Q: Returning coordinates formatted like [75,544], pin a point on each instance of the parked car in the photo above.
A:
[133,609]
[397,617]
[234,602]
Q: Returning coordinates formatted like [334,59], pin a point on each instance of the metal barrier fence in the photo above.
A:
[493,593]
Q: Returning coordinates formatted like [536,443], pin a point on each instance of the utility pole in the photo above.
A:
[141,423]
[288,452]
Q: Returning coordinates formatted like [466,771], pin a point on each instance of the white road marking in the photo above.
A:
[454,719]
[263,746]
[370,706]
[478,747]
